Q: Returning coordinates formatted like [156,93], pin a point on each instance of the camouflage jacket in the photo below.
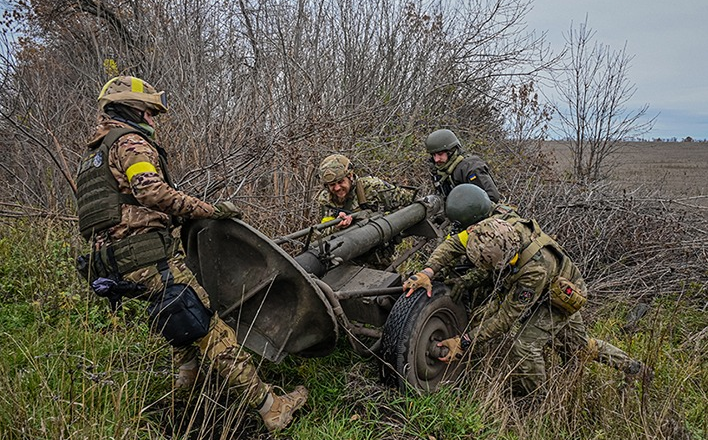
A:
[520,288]
[158,200]
[380,196]
[516,288]
[470,169]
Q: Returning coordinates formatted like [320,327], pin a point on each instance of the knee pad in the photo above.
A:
[179,316]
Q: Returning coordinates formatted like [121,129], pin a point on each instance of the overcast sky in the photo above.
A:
[669,42]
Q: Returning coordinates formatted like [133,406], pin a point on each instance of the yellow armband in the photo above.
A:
[463,237]
[139,168]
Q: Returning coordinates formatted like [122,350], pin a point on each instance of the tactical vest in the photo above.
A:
[98,198]
[99,204]
[533,239]
[564,291]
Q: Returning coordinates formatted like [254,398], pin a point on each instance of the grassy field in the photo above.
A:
[674,170]
[72,370]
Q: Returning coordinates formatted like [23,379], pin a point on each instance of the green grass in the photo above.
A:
[71,370]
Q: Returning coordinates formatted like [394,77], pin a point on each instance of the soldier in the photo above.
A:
[127,205]
[537,294]
[344,193]
[451,168]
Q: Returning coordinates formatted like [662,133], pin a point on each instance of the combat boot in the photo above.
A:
[187,374]
[277,411]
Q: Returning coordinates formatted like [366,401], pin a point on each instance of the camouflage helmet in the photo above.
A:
[492,243]
[334,168]
[132,92]
[441,140]
[467,204]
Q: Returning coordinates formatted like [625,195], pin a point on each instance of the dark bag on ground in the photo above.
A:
[179,316]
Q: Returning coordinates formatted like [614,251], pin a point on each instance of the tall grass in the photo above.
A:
[72,370]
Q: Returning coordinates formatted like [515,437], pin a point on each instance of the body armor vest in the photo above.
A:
[98,198]
[533,239]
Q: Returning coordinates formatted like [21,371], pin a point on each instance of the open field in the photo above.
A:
[677,170]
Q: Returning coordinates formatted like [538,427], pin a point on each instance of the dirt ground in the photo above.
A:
[677,169]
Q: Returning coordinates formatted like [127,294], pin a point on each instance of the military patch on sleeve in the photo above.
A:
[524,295]
[98,159]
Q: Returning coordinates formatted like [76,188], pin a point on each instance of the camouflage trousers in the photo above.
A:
[219,346]
[568,336]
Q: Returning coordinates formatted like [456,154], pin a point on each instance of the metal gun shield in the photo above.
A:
[258,289]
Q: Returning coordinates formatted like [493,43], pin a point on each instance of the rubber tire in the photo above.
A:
[414,325]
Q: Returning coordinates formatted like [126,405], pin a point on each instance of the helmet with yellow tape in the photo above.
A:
[132,92]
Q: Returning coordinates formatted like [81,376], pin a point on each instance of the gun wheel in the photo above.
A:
[409,344]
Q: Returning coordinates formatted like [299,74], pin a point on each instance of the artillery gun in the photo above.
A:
[282,305]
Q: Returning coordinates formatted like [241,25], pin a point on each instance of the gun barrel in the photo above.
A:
[358,239]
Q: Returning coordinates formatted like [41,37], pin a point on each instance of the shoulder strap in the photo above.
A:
[108,140]
[536,244]
[115,133]
[360,196]
[540,240]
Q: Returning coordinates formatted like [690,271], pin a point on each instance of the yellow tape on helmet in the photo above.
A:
[136,85]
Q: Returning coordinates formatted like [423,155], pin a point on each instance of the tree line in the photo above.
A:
[259,92]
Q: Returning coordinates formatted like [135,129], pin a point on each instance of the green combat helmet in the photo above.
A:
[441,140]
[334,168]
[132,92]
[467,204]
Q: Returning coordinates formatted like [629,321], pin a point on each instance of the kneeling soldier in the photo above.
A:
[538,292]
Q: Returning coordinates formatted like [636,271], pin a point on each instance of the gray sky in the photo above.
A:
[669,42]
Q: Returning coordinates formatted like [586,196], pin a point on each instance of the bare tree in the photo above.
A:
[527,119]
[593,90]
[259,91]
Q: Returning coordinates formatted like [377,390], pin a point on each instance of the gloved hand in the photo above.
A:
[226,210]
[415,282]
[454,349]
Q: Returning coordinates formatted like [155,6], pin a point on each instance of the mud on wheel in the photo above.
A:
[409,344]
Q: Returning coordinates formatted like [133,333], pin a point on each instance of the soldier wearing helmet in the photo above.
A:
[344,193]
[451,168]
[538,292]
[127,204]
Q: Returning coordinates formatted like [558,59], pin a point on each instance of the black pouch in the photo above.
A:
[179,316]
[82,266]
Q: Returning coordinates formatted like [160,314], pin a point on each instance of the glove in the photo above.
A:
[454,349]
[224,210]
[415,282]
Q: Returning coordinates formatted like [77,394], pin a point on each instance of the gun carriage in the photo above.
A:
[281,305]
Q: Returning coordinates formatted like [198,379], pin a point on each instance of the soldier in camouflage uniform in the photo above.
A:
[536,294]
[344,193]
[127,204]
[451,168]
